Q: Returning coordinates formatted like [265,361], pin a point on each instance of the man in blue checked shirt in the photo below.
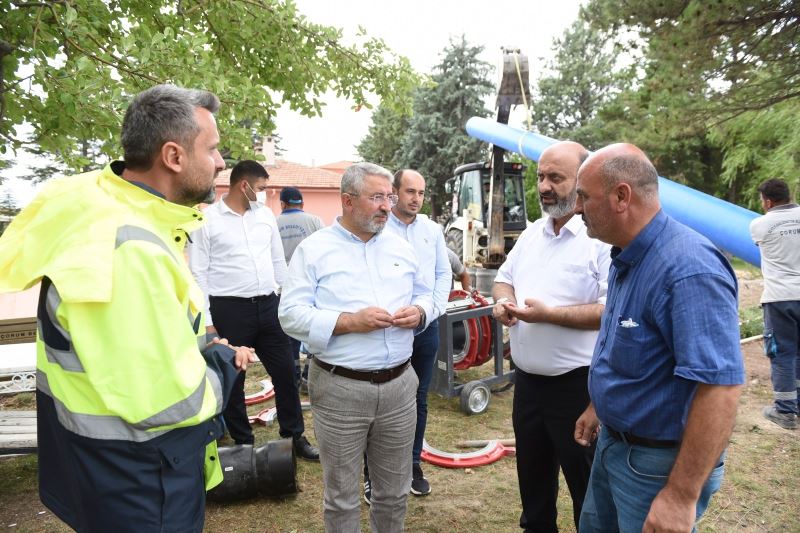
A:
[667,369]
[355,295]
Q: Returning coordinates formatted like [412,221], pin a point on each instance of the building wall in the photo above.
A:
[325,203]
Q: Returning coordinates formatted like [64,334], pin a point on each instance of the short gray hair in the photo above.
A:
[635,170]
[159,115]
[353,177]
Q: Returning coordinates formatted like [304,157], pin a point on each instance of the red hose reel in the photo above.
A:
[477,331]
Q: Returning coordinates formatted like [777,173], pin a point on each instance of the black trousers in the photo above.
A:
[254,323]
[545,411]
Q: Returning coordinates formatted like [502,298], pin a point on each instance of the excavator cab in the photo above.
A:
[470,191]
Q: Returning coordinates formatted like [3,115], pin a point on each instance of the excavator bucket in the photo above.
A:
[514,86]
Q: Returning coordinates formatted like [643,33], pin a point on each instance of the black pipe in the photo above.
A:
[265,471]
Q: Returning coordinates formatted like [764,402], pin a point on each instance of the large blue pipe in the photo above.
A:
[725,224]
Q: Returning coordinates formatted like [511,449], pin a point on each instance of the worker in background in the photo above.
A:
[294,225]
[237,259]
[127,405]
[355,295]
[459,271]
[777,235]
[551,292]
[667,369]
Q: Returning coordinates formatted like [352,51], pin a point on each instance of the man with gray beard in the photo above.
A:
[551,292]
[356,296]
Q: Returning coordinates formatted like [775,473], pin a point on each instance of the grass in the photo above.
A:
[751,321]
[759,494]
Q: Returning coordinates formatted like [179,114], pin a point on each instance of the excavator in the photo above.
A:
[486,205]
[486,215]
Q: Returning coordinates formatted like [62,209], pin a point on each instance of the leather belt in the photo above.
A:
[373,376]
[629,438]
[248,299]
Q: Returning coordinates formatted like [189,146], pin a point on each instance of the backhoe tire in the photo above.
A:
[455,241]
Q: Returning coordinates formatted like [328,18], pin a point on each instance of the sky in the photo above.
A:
[417,29]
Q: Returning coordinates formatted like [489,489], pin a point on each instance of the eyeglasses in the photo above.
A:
[379,199]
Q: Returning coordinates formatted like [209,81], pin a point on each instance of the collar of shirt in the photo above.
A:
[399,224]
[626,258]
[292,210]
[574,225]
[781,207]
[337,226]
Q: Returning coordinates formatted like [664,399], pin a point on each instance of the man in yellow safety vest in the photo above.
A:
[128,389]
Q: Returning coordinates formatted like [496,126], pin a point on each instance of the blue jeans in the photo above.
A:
[624,482]
[423,357]
[782,346]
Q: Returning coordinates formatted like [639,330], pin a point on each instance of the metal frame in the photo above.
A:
[443,381]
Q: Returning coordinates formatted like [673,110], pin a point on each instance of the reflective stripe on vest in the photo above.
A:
[114,427]
[111,426]
[66,359]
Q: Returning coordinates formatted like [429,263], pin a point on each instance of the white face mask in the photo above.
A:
[261,196]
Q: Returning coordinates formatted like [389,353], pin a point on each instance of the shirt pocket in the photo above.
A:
[626,352]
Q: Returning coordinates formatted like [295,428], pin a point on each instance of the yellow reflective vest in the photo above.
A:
[125,301]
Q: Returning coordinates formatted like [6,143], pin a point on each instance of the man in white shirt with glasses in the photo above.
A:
[355,296]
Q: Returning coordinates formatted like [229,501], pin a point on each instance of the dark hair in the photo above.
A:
[161,114]
[247,169]
[397,179]
[776,190]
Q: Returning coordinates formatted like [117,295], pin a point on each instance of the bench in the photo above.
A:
[17,432]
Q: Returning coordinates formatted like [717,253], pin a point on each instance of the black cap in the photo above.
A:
[291,195]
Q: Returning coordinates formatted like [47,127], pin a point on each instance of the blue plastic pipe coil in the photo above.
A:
[725,224]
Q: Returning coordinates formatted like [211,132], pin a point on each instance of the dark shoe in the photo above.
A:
[419,485]
[367,491]
[784,420]
[304,449]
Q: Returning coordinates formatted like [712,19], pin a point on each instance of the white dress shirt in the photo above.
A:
[237,255]
[332,272]
[560,270]
[427,239]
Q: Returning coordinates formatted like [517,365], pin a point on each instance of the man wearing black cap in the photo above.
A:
[294,225]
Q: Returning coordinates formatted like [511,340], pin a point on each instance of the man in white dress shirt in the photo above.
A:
[427,239]
[551,292]
[355,296]
[237,259]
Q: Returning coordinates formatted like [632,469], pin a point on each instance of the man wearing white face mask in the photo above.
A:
[237,259]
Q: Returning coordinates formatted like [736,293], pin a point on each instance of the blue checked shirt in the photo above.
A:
[670,322]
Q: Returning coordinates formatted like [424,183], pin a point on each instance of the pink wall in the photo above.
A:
[325,203]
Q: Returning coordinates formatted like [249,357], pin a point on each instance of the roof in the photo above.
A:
[285,173]
[338,166]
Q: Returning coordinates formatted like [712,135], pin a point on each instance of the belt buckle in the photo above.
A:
[375,374]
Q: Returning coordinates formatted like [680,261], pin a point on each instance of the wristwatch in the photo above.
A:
[502,300]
